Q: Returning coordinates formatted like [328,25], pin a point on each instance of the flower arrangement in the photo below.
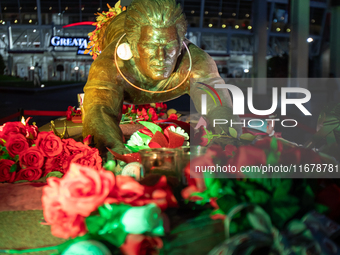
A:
[148,112]
[29,155]
[95,204]
[153,136]
[72,112]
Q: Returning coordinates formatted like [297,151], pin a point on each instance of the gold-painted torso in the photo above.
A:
[160,66]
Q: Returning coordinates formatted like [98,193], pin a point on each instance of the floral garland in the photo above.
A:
[131,114]
[29,155]
[102,21]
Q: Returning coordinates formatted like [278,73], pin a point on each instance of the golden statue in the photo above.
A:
[164,65]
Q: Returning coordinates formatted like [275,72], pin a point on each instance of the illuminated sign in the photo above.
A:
[80,42]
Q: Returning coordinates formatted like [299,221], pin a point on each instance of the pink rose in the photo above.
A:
[63,225]
[126,190]
[15,144]
[68,226]
[5,174]
[50,144]
[83,189]
[29,174]
[32,157]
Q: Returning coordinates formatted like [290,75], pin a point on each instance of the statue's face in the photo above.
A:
[158,50]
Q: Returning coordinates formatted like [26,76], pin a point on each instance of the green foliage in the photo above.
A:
[282,199]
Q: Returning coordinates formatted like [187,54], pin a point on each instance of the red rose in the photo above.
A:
[173,116]
[32,157]
[69,113]
[73,147]
[89,157]
[15,144]
[50,144]
[198,137]
[63,225]
[31,133]
[153,114]
[161,194]
[5,174]
[59,163]
[126,190]
[230,150]
[141,245]
[29,174]
[142,115]
[83,189]
[11,128]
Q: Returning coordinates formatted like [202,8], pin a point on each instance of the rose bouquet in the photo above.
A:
[147,112]
[29,155]
[97,205]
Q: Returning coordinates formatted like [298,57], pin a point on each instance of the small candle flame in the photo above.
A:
[23,120]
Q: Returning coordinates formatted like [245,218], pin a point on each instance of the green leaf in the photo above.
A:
[283,189]
[233,132]
[151,126]
[20,181]
[273,158]
[282,214]
[273,144]
[136,148]
[123,118]
[13,168]
[203,195]
[16,158]
[248,137]
[321,208]
[54,174]
[260,220]
[146,139]
[258,196]
[209,135]
[215,188]
[227,202]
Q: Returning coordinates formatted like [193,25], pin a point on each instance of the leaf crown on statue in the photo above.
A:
[155,13]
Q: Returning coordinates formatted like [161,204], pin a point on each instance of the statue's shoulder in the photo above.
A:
[103,68]
[202,63]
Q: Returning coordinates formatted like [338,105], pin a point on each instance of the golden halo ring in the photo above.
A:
[145,90]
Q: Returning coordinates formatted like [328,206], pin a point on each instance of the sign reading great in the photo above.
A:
[80,42]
